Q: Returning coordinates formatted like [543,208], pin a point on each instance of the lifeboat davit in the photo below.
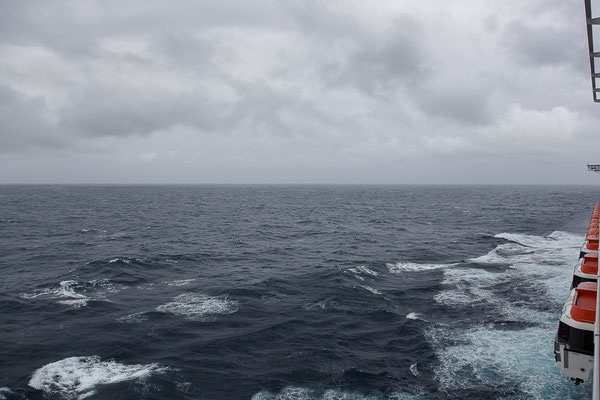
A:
[586,270]
[574,342]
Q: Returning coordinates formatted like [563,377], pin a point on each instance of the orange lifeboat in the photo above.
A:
[574,341]
[586,270]
[590,246]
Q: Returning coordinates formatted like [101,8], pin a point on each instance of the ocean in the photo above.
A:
[286,292]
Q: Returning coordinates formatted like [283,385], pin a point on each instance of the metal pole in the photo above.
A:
[595,392]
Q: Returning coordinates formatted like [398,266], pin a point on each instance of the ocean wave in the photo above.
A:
[138,317]
[414,316]
[78,377]
[369,289]
[414,370]
[92,230]
[75,294]
[125,260]
[503,253]
[557,239]
[361,269]
[199,306]
[180,282]
[401,267]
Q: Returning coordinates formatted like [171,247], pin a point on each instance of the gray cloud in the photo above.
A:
[543,45]
[380,64]
[464,103]
[113,111]
[26,123]
[292,88]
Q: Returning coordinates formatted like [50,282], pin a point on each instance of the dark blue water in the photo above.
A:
[286,292]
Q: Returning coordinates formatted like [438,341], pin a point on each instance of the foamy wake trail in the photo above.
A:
[77,377]
[300,393]
[199,306]
[402,267]
[490,357]
[548,261]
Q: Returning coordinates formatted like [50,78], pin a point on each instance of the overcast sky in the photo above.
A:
[296,91]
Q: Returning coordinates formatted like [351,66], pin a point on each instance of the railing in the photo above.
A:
[592,54]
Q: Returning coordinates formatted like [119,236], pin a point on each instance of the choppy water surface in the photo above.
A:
[286,292]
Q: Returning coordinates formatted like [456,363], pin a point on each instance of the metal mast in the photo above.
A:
[590,22]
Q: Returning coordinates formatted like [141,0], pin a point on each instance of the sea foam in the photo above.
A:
[301,393]
[75,294]
[199,306]
[77,377]
[3,392]
[402,267]
[486,357]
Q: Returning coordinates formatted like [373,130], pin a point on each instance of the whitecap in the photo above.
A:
[414,316]
[106,286]
[67,289]
[74,299]
[556,239]
[401,267]
[70,293]
[180,282]
[198,306]
[502,254]
[413,370]
[361,269]
[78,377]
[126,260]
[370,289]
[35,293]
